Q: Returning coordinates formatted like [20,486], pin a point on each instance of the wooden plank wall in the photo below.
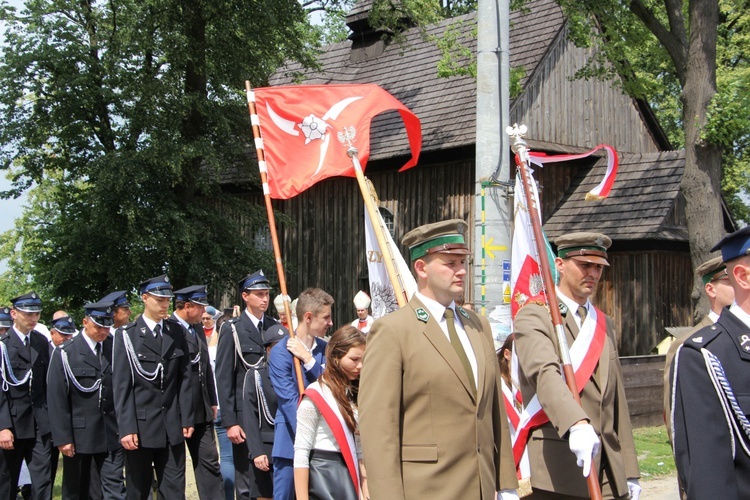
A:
[586,112]
[325,246]
[645,292]
[643,378]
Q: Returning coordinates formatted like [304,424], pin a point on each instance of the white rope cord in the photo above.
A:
[6,371]
[69,377]
[263,408]
[728,401]
[238,351]
[135,365]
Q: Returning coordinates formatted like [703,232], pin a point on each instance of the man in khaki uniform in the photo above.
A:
[431,417]
[561,447]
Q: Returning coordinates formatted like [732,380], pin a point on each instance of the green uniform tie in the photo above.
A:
[456,343]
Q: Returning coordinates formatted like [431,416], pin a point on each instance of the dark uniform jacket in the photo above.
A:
[711,449]
[155,410]
[258,428]
[20,411]
[230,371]
[201,375]
[80,417]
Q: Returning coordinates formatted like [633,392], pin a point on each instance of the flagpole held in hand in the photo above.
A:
[352,152]
[522,163]
[272,221]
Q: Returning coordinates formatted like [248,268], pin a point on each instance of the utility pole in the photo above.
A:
[493,216]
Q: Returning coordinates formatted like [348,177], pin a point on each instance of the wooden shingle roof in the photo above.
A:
[638,207]
[446,106]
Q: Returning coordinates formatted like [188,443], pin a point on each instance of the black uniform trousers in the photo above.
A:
[81,479]
[36,452]
[205,457]
[169,465]
[113,481]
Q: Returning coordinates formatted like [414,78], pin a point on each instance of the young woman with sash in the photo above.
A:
[327,453]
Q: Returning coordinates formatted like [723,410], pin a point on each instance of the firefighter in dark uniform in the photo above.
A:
[711,402]
[81,403]
[260,405]
[24,422]
[153,402]
[240,348]
[190,303]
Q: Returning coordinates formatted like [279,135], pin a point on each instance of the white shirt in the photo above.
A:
[151,324]
[740,313]
[714,317]
[21,336]
[90,342]
[253,319]
[573,306]
[437,310]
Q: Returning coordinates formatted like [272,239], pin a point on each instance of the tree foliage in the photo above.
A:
[121,117]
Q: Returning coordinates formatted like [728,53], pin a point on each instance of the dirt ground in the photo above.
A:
[663,488]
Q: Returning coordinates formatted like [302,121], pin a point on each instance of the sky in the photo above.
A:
[9,209]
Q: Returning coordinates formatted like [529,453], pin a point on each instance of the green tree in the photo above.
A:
[121,117]
[695,50]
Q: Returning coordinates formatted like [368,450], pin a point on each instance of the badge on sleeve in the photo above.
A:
[422,315]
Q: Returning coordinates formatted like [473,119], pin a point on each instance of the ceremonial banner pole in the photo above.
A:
[346,138]
[272,221]
[522,162]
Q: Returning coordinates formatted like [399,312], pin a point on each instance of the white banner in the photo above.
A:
[381,290]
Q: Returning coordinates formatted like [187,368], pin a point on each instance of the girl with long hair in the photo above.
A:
[327,454]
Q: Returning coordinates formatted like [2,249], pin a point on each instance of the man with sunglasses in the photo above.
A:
[84,426]
[24,421]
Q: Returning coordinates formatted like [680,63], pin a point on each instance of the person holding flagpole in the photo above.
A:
[432,421]
[565,439]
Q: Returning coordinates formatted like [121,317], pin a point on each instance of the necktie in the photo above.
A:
[192,331]
[456,343]
[98,350]
[26,341]
[582,312]
[157,334]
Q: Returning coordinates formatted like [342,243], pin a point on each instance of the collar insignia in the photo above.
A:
[422,315]
[463,312]
[698,340]
[143,330]
[563,308]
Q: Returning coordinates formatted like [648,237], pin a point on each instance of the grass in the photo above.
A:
[654,452]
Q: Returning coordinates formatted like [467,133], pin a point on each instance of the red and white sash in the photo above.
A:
[584,354]
[324,401]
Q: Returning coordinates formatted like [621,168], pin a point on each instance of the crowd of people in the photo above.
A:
[407,406]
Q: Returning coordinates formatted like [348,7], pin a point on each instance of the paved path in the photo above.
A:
[663,488]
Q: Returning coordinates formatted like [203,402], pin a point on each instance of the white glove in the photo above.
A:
[634,488]
[584,442]
[507,495]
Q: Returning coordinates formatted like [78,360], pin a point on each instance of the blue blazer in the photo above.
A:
[284,382]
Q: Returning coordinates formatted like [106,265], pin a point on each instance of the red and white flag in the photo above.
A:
[301,125]
[527,284]
[605,186]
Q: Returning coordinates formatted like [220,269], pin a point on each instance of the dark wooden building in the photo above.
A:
[648,284]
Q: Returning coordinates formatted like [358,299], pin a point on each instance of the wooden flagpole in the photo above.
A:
[346,138]
[522,162]
[272,222]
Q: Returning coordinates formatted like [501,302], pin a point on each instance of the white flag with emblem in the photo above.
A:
[381,290]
